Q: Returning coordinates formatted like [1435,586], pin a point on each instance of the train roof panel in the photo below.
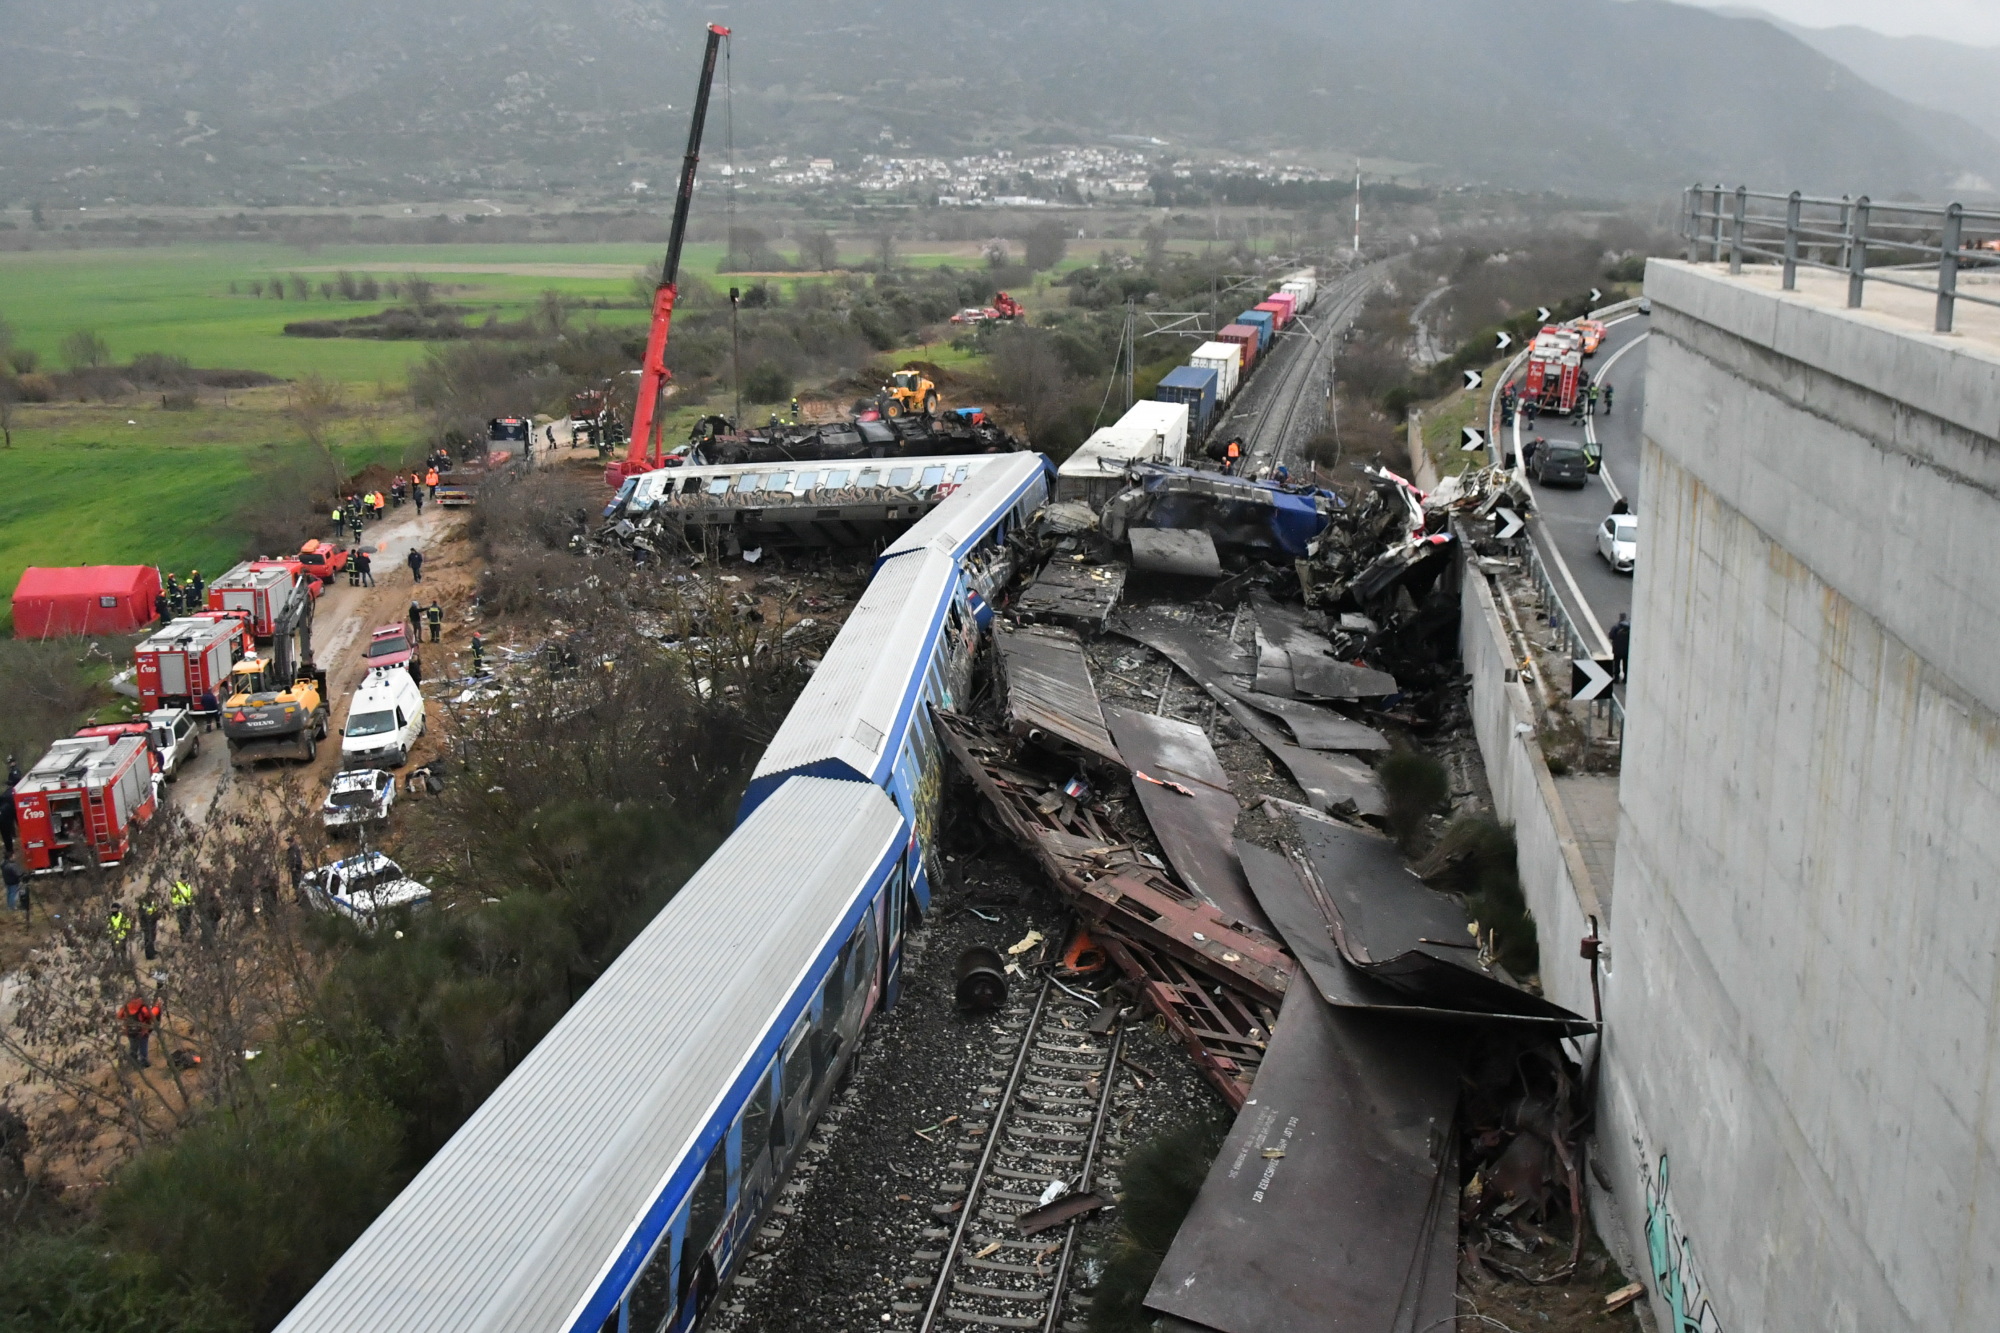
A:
[964,516]
[857,700]
[516,1221]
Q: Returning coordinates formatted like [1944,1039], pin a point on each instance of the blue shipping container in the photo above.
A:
[1195,386]
[1260,320]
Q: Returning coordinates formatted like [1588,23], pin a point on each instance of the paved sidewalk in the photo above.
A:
[1591,802]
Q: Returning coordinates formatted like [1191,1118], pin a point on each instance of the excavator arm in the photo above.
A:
[644,453]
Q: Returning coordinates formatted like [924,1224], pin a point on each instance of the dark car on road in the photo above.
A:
[1561,465]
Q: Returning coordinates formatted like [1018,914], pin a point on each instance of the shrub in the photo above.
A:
[1414,786]
[767,382]
[1161,1178]
[34,389]
[24,360]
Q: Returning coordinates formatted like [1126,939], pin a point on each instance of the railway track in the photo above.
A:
[1047,1129]
[1269,446]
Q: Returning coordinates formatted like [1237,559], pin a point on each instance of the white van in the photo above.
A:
[383,722]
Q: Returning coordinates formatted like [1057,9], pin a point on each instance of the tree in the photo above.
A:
[767,382]
[84,349]
[315,401]
[300,291]
[885,249]
[552,311]
[6,414]
[818,250]
[1046,245]
[24,360]
[257,288]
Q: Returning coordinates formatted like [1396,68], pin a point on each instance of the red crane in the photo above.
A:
[643,454]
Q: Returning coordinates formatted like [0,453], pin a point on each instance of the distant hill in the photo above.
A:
[267,101]
[1927,71]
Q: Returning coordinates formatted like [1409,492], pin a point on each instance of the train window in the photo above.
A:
[798,1060]
[651,1300]
[611,1323]
[932,476]
[959,476]
[718,485]
[705,1210]
[690,485]
[900,477]
[870,477]
[837,478]
[746,482]
[806,482]
[777,481]
[757,1136]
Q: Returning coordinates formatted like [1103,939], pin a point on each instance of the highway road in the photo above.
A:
[1593,595]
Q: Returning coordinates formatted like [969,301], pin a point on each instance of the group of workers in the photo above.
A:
[140,1017]
[177,599]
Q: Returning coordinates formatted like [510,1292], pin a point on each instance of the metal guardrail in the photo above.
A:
[1898,244]
[1572,640]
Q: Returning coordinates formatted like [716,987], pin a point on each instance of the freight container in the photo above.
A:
[1148,433]
[1194,386]
[1226,360]
[185,658]
[1308,280]
[1246,338]
[1302,296]
[1280,311]
[1289,301]
[76,807]
[1264,322]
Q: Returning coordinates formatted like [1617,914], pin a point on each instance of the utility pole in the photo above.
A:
[1130,349]
[1357,210]
[736,356]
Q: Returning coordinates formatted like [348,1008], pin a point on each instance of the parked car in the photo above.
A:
[1618,541]
[174,738]
[392,646]
[383,722]
[358,796]
[1561,465]
[365,888]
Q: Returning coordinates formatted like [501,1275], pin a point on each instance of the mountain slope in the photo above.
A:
[271,100]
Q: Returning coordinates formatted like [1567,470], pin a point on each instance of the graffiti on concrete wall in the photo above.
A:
[1677,1282]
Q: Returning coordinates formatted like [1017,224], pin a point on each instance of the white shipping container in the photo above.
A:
[1149,433]
[1302,294]
[1226,360]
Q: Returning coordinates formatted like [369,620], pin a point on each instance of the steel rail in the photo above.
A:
[1083,1180]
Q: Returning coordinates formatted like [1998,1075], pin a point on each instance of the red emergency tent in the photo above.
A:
[84,599]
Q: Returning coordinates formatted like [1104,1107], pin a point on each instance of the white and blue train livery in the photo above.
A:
[610,1183]
[908,642]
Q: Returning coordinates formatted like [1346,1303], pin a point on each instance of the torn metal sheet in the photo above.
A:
[1310,668]
[1291,903]
[1403,934]
[1330,782]
[1321,1209]
[1071,594]
[1197,830]
[1315,726]
[1050,695]
[1186,552]
[1109,880]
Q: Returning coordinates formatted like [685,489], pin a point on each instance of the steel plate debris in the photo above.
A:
[1066,593]
[1187,553]
[1050,699]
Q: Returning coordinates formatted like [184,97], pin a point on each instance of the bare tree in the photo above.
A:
[1045,245]
[85,349]
[300,291]
[315,402]
[885,248]
[552,311]
[7,392]
[819,250]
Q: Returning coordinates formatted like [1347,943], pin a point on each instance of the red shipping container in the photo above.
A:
[85,599]
[1279,311]
[1244,336]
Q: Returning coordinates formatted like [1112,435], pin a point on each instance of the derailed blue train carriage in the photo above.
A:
[909,642]
[612,1181]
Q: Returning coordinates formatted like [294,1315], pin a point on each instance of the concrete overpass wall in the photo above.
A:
[1803,1052]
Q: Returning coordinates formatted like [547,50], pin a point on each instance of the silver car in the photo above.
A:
[358,796]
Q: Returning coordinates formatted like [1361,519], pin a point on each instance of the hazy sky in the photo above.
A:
[1974,21]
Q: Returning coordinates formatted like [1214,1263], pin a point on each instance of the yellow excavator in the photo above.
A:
[277,705]
[909,390]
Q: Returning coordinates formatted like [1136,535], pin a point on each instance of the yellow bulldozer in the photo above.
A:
[909,390]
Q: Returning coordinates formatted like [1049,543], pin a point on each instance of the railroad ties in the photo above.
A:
[1004,1246]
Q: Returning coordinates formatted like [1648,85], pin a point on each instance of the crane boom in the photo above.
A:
[643,454]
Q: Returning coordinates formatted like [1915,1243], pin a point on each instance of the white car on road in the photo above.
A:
[1618,541]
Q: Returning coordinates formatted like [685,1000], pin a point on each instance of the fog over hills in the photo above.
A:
[269,101]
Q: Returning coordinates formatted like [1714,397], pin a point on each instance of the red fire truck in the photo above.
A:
[185,658]
[1555,369]
[77,806]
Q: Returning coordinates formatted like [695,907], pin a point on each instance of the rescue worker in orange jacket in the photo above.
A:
[139,1018]
[1232,457]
